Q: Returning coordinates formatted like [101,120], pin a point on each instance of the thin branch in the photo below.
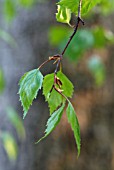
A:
[69,41]
[71,37]
[58,57]
[58,63]
[76,27]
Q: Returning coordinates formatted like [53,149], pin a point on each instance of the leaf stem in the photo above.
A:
[58,63]
[45,62]
[60,92]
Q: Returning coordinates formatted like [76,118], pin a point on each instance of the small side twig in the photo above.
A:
[55,57]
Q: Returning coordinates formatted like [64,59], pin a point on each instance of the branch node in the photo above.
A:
[81,20]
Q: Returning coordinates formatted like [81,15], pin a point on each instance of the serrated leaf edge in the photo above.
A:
[62,107]
[78,143]
[20,99]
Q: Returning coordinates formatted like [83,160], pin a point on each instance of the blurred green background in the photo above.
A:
[29,34]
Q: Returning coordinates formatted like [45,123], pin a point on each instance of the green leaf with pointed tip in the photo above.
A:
[47,85]
[53,98]
[30,84]
[53,121]
[87,5]
[72,119]
[63,14]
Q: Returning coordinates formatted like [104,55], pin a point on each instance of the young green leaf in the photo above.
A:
[72,119]
[87,5]
[47,85]
[53,98]
[63,15]
[30,84]
[53,121]
[67,85]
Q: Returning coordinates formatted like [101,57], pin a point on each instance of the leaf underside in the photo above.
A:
[63,14]
[30,84]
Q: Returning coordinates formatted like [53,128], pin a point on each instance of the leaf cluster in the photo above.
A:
[56,95]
